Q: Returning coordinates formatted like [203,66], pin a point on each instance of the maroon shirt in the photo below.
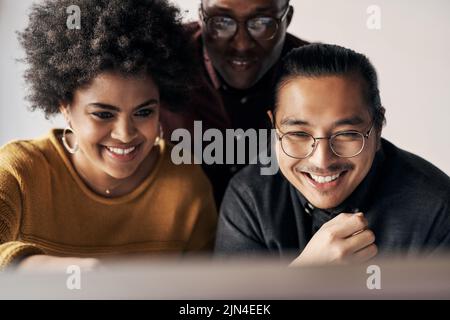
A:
[222,107]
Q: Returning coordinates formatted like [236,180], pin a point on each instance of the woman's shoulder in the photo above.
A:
[186,175]
[20,155]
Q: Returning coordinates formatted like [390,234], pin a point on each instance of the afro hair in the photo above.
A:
[125,36]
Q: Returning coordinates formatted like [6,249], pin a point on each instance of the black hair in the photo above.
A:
[126,36]
[317,59]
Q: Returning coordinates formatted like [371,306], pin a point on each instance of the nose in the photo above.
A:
[322,155]
[124,130]
[242,40]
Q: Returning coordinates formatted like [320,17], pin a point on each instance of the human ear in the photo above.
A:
[289,16]
[64,108]
[269,113]
[379,130]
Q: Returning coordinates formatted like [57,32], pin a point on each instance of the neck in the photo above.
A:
[107,186]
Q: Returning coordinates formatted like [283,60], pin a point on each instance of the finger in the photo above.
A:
[359,241]
[364,254]
[346,224]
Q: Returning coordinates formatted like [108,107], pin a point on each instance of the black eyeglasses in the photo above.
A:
[301,145]
[225,27]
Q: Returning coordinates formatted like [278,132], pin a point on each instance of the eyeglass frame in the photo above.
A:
[205,18]
[329,138]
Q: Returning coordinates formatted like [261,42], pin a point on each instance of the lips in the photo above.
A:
[240,63]
[122,153]
[322,182]
[324,179]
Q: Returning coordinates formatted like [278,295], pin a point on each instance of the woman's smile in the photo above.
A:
[122,154]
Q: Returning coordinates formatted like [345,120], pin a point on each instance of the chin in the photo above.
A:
[240,81]
[323,202]
[325,199]
[120,173]
[241,85]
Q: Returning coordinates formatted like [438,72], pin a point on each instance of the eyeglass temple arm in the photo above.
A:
[369,132]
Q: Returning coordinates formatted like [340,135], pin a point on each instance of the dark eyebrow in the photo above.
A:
[353,121]
[230,11]
[293,122]
[265,9]
[114,108]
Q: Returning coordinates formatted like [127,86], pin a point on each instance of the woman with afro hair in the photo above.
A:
[105,185]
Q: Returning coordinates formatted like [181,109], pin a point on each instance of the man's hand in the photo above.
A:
[344,239]
[44,263]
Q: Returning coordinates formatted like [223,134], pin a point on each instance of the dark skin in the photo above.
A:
[242,61]
[113,111]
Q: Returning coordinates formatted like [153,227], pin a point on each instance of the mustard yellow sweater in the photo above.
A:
[46,208]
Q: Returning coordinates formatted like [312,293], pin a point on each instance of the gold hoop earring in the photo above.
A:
[161,135]
[70,149]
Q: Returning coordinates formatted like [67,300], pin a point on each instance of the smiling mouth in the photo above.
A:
[121,153]
[241,64]
[324,181]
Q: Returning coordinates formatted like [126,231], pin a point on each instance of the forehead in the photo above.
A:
[322,100]
[245,7]
[119,90]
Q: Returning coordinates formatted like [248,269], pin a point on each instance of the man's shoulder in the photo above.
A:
[415,173]
[293,41]
[253,179]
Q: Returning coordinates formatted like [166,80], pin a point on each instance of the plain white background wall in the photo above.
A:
[410,52]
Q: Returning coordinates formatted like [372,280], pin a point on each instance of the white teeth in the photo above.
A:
[120,151]
[322,179]
[240,62]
